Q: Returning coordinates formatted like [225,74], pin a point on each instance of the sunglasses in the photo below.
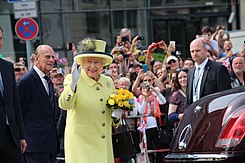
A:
[171,61]
[147,80]
[19,69]
[182,69]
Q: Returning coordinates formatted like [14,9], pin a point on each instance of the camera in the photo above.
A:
[178,53]
[125,38]
[17,69]
[141,53]
[125,55]
[157,45]
[140,38]
[147,86]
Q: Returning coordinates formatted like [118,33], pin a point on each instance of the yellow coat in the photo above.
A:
[88,124]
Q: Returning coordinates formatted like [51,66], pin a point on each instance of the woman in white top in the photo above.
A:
[148,105]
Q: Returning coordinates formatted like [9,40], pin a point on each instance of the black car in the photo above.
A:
[212,129]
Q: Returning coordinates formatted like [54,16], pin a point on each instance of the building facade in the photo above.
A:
[62,21]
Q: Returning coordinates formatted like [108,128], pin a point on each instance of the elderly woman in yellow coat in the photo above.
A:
[88,125]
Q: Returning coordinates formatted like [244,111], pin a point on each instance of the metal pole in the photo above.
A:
[28,52]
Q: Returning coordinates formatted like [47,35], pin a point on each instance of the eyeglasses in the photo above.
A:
[182,69]
[112,67]
[147,80]
[171,61]
[18,69]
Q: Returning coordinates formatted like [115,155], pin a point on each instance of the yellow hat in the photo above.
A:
[93,48]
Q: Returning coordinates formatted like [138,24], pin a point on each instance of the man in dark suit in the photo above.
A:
[39,108]
[206,77]
[12,142]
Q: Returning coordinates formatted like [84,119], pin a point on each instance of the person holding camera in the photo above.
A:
[123,43]
[153,81]
[19,70]
[211,44]
[149,108]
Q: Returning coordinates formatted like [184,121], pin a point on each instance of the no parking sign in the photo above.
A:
[26,28]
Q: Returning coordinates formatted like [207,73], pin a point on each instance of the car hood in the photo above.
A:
[203,120]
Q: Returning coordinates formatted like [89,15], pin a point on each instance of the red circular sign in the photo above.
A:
[26,28]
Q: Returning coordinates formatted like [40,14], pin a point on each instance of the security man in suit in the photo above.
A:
[39,108]
[206,77]
[12,142]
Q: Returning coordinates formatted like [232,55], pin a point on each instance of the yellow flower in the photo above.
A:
[126,104]
[120,97]
[120,104]
[114,96]
[111,101]
[131,96]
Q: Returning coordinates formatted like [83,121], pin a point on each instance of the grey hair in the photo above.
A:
[124,30]
[124,79]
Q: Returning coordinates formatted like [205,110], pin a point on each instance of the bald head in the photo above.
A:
[45,58]
[198,51]
[42,48]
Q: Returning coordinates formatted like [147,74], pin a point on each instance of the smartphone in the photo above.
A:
[172,43]
[140,38]
[69,46]
[145,68]
[224,32]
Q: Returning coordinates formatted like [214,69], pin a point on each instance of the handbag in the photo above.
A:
[125,143]
[165,133]
[165,137]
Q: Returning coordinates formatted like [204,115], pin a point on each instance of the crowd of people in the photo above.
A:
[51,109]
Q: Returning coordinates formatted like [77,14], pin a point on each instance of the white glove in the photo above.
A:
[75,74]
[117,113]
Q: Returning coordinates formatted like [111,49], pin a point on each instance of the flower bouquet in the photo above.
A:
[122,99]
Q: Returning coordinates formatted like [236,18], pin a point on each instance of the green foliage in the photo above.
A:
[159,56]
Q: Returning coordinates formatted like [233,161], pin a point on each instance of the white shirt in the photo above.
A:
[202,68]
[150,120]
[41,75]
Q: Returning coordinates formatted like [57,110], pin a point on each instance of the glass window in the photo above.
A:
[93,23]
[50,6]
[91,4]
[126,4]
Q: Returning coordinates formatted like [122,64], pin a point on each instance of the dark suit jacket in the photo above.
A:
[38,114]
[10,104]
[215,79]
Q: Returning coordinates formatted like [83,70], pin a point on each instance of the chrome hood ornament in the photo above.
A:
[185,136]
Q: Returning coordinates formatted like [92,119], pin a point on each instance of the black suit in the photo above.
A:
[215,79]
[12,132]
[38,115]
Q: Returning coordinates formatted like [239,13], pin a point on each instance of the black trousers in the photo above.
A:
[40,157]
[153,143]
[9,152]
